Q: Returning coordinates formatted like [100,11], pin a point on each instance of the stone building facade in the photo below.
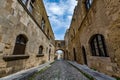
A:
[26,36]
[93,38]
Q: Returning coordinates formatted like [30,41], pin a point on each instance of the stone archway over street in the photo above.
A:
[60,45]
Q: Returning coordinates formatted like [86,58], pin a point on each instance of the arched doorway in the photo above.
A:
[84,55]
[49,54]
[59,55]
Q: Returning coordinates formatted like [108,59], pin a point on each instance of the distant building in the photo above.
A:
[59,56]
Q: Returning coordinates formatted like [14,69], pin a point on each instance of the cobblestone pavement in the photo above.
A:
[61,70]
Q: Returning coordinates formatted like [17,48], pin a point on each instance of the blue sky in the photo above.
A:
[60,13]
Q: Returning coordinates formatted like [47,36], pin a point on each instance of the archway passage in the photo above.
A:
[60,48]
[59,55]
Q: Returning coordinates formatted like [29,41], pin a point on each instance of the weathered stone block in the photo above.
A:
[2,46]
[109,68]
[3,3]
[2,73]
[0,38]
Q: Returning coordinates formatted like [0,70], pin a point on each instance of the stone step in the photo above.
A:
[24,74]
[95,74]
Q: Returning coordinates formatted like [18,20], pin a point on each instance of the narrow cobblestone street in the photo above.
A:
[60,70]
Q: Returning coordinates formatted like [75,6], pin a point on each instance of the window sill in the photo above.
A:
[39,55]
[99,56]
[14,57]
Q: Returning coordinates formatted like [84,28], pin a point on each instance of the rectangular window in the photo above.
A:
[91,2]
[29,4]
[88,3]
[30,7]
[25,2]
[43,23]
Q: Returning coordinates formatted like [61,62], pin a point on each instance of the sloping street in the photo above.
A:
[59,39]
[60,70]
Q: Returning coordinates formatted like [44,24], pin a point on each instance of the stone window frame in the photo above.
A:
[43,23]
[21,41]
[40,52]
[97,45]
[88,4]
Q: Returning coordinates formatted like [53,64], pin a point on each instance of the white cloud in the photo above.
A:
[55,9]
[60,15]
[59,36]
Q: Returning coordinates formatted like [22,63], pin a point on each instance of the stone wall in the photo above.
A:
[103,17]
[16,20]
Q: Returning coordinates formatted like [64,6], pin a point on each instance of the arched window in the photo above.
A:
[40,50]
[97,45]
[20,45]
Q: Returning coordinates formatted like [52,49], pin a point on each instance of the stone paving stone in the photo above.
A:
[61,70]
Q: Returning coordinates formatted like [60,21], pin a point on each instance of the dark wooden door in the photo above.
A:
[84,55]
[19,49]
[74,54]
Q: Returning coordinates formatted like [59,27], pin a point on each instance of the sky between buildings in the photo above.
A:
[60,14]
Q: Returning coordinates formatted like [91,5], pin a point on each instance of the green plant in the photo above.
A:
[85,74]
[43,61]
[52,62]
[39,72]
[94,69]
[117,78]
